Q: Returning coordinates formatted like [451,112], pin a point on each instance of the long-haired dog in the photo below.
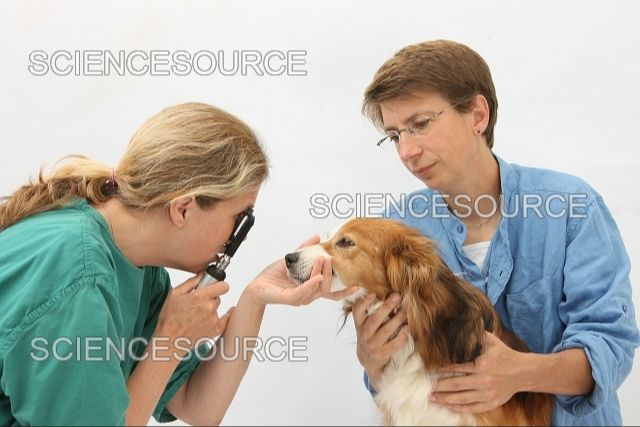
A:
[447,319]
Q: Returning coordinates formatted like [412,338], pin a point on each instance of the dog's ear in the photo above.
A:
[464,318]
[445,319]
[406,265]
[411,273]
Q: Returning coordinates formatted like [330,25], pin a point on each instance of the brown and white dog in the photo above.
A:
[447,319]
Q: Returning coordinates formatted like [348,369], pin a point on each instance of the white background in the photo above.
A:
[566,75]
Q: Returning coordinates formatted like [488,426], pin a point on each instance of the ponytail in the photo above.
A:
[190,149]
[79,178]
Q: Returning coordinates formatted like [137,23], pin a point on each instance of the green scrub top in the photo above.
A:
[75,319]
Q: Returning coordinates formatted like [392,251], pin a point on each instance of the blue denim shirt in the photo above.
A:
[558,275]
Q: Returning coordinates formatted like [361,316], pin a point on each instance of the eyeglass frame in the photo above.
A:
[411,131]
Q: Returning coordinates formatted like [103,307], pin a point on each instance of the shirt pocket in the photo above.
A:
[531,313]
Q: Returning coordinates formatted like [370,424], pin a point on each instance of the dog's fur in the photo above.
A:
[447,319]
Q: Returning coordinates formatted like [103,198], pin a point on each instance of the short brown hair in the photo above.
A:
[450,69]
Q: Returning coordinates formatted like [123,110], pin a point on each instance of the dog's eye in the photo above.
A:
[345,242]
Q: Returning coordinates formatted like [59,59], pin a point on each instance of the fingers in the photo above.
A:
[327,276]
[473,408]
[317,275]
[189,285]
[466,368]
[389,329]
[318,285]
[378,331]
[327,281]
[451,384]
[301,296]
[465,398]
[397,342]
[360,309]
[314,240]
[213,291]
[338,295]
[317,267]
[461,398]
[307,292]
[376,319]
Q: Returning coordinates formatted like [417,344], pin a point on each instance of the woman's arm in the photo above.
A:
[567,372]
[148,381]
[500,372]
[205,397]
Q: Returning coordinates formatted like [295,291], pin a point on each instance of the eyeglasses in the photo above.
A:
[418,127]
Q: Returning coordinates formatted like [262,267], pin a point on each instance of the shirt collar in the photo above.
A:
[456,227]
[507,178]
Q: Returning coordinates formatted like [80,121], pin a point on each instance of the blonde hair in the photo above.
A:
[190,149]
[450,69]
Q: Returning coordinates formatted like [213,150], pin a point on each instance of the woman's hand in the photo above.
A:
[490,380]
[273,285]
[379,335]
[189,314]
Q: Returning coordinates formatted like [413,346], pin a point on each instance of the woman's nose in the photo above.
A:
[408,148]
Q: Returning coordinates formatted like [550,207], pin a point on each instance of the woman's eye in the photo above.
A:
[421,124]
[344,243]
[393,136]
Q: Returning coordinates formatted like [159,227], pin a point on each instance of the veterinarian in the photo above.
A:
[92,330]
[559,280]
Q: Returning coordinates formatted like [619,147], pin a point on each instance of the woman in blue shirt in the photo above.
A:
[542,245]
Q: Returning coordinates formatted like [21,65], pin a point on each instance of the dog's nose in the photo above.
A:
[291,258]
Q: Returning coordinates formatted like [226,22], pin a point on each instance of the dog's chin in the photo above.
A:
[298,276]
[337,284]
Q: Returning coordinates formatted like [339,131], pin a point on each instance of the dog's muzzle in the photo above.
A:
[298,267]
[300,263]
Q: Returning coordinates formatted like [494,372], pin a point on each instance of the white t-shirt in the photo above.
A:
[477,252]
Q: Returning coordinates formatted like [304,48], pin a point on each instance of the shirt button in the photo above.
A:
[460,229]
[624,307]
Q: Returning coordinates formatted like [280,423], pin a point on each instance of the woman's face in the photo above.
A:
[444,152]
[204,231]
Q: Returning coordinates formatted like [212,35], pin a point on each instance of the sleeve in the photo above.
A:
[597,306]
[187,366]
[61,369]
[368,385]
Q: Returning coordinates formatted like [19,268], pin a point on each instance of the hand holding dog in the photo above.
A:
[273,285]
[378,339]
[490,380]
